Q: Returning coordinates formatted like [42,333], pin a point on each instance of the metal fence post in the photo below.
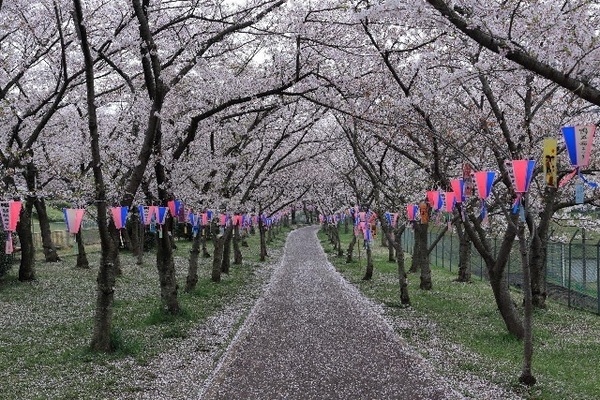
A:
[598,276]
[583,260]
[570,267]
[451,236]
[443,253]
[481,267]
[562,264]
[508,267]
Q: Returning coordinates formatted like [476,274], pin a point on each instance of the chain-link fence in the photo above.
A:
[572,268]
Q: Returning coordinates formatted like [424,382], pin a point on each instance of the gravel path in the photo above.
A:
[314,336]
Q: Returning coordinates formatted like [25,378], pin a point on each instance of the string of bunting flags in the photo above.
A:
[578,141]
[151,216]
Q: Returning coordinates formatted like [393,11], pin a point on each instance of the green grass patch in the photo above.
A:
[47,325]
[566,358]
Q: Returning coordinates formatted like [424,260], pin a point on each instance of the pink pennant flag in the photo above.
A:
[522,172]
[458,187]
[484,181]
[435,199]
[152,213]
[73,219]
[11,213]
[119,215]
[449,201]
[411,211]
[15,215]
[237,220]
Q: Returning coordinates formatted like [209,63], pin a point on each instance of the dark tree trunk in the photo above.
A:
[126,239]
[337,243]
[192,276]
[350,250]
[115,235]
[226,258]
[539,249]
[421,256]
[394,240]
[526,377]
[137,237]
[166,273]
[82,260]
[402,276]
[50,254]
[307,213]
[464,255]
[263,242]
[293,216]
[389,243]
[204,232]
[369,270]
[27,266]
[237,253]
[218,242]
[505,303]
[106,278]
[496,267]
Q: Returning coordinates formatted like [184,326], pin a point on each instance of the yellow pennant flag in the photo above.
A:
[550,165]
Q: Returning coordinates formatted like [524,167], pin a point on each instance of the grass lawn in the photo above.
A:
[566,359]
[47,324]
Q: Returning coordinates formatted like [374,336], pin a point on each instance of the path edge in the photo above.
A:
[228,356]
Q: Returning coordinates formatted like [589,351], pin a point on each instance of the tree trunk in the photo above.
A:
[126,239]
[137,237]
[50,254]
[464,255]
[226,258]
[350,250]
[106,277]
[293,216]
[263,242]
[394,240]
[526,377]
[496,267]
[369,269]
[218,242]
[337,240]
[27,266]
[237,253]
[192,276]
[539,249]
[402,276]
[389,243]
[505,303]
[166,273]
[204,232]
[115,236]
[420,254]
[82,260]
